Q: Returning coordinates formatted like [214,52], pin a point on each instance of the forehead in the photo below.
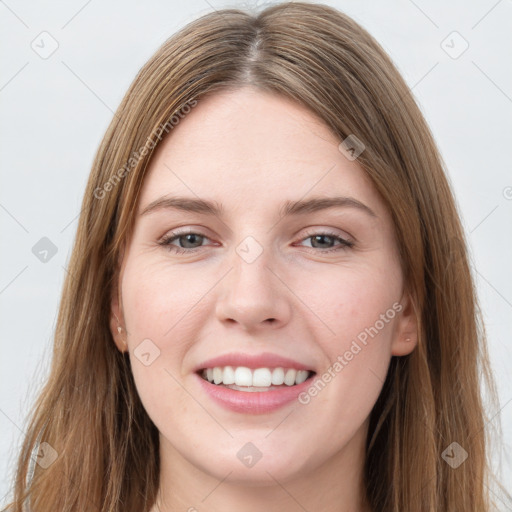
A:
[253,150]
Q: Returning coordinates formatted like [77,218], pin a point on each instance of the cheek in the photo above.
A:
[360,308]
[161,323]
[358,354]
[160,299]
[351,301]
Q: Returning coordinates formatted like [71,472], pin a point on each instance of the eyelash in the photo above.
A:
[166,241]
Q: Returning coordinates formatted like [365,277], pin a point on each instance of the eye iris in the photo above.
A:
[321,237]
[193,235]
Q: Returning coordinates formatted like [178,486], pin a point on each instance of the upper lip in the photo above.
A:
[253,361]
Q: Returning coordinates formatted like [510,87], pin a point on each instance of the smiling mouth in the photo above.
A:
[255,380]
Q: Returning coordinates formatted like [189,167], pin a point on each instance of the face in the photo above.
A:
[322,287]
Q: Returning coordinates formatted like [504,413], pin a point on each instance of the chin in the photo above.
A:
[262,473]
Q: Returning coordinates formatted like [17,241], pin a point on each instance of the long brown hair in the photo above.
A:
[106,448]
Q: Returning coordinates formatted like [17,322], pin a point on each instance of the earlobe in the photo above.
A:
[116,327]
[406,331]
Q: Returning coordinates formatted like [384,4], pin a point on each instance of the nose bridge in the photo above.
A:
[251,293]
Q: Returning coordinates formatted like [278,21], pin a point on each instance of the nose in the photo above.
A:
[253,296]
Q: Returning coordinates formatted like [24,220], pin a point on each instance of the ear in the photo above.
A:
[117,328]
[406,329]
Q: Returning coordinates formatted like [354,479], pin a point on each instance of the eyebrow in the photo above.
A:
[289,208]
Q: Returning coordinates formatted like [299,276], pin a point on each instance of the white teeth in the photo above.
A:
[278,376]
[228,375]
[260,377]
[217,375]
[302,375]
[243,376]
[289,377]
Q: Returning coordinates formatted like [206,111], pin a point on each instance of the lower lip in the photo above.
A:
[253,402]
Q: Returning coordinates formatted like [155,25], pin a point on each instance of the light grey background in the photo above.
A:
[55,111]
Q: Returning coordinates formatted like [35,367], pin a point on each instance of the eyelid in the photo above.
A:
[310,231]
[185,230]
[331,232]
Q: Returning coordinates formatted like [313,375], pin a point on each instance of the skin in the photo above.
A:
[251,151]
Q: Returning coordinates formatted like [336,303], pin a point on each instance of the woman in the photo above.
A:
[260,369]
